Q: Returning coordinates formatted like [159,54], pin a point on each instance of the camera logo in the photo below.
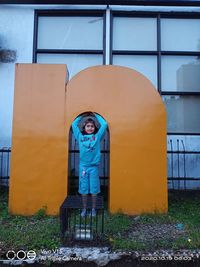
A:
[21,255]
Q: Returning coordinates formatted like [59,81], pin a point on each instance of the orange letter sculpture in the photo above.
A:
[43,113]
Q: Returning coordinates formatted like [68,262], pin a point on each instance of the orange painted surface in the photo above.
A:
[137,124]
[38,162]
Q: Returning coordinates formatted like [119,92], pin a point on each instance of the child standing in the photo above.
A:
[89,141]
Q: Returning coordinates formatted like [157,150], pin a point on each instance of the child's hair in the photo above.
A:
[89,120]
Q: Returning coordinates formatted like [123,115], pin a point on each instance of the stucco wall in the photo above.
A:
[16,33]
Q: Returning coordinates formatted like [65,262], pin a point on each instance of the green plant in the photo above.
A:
[41,213]
[115,223]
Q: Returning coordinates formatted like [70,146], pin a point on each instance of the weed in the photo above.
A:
[41,213]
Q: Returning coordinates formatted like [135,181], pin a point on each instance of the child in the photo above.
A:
[89,141]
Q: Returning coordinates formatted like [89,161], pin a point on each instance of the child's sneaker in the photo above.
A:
[93,213]
[83,213]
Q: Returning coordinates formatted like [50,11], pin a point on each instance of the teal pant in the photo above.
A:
[89,181]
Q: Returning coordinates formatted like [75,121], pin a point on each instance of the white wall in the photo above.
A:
[16,33]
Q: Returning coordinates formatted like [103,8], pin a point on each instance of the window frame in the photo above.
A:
[69,13]
[159,52]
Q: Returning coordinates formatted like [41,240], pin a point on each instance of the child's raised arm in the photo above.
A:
[75,128]
[103,124]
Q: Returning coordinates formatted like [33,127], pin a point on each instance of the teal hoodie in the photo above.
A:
[89,144]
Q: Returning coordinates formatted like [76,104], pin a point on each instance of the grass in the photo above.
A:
[42,231]
[183,210]
[117,223]
[187,212]
[27,232]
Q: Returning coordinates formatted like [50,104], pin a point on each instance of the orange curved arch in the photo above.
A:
[137,123]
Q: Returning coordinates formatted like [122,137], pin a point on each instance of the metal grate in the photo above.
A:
[75,227]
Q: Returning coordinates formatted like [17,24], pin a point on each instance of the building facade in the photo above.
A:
[159,40]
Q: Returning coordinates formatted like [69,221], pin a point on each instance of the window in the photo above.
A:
[166,49]
[180,72]
[134,44]
[68,37]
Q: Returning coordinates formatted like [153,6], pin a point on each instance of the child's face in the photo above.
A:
[89,128]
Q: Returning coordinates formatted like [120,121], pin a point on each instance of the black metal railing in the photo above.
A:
[183,166]
[5,154]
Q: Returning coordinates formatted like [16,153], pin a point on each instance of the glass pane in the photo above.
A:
[134,34]
[180,34]
[75,63]
[73,33]
[147,65]
[180,73]
[182,113]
